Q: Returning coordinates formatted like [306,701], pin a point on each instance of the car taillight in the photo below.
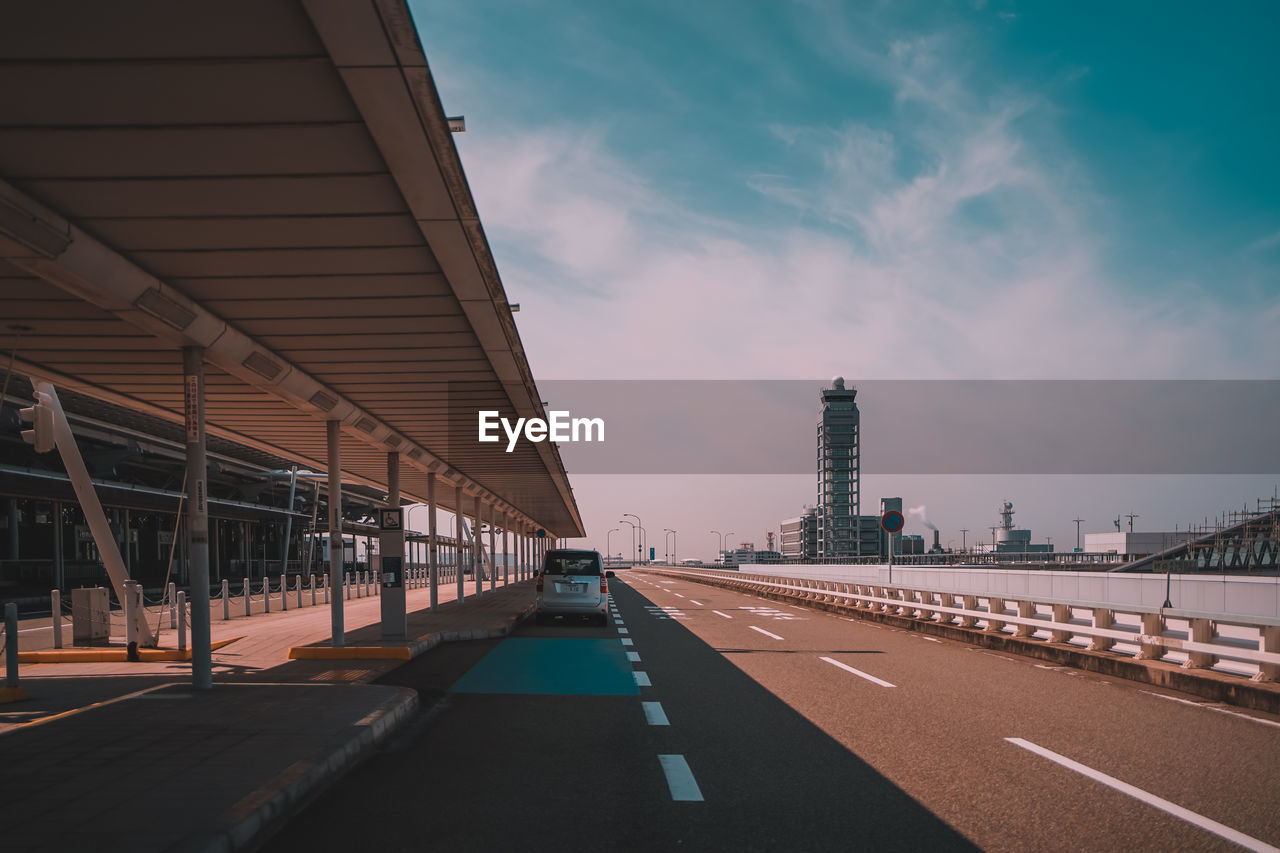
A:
[604,585]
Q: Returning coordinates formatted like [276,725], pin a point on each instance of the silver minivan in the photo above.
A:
[573,583]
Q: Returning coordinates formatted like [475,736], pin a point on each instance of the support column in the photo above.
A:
[459,555]
[493,555]
[506,549]
[334,461]
[197,519]
[477,548]
[433,548]
[395,625]
[59,559]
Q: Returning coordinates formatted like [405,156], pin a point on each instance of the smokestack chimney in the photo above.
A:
[936,546]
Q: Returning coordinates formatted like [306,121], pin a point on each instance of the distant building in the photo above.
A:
[1010,539]
[800,535]
[912,543]
[839,472]
[1134,544]
[885,541]
[747,553]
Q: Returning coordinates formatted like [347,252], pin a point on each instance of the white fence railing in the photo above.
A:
[1097,626]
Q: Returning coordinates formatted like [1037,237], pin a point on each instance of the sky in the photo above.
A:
[956,191]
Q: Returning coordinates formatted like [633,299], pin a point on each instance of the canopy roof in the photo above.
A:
[275,181]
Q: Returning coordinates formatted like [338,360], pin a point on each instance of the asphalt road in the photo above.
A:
[753,725]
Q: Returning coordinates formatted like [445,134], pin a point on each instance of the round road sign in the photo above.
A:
[892,521]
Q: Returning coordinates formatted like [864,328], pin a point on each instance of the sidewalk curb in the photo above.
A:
[274,803]
[280,799]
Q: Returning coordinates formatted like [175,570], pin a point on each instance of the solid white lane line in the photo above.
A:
[763,631]
[642,679]
[1246,841]
[627,641]
[859,673]
[623,631]
[634,657]
[684,788]
[654,714]
[699,603]
[725,615]
[1218,708]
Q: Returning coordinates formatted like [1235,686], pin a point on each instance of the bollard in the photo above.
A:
[130,621]
[326,589]
[299,590]
[346,585]
[266,594]
[11,644]
[226,600]
[247,598]
[367,575]
[55,598]
[173,612]
[182,621]
[284,591]
[313,590]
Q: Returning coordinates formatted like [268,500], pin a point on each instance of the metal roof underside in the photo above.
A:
[279,175]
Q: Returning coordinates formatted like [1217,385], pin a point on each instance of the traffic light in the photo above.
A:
[40,416]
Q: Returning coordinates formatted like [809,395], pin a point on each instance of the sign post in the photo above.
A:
[892,522]
[391,556]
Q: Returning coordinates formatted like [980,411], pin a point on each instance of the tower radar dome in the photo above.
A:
[837,383]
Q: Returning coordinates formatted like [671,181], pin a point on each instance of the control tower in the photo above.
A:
[839,475]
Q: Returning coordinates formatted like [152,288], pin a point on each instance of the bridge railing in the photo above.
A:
[1097,626]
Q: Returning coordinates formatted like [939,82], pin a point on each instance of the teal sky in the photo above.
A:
[1161,121]
[978,189]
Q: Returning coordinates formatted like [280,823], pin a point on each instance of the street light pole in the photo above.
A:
[633,535]
[608,548]
[671,555]
[1077,521]
[720,540]
[639,524]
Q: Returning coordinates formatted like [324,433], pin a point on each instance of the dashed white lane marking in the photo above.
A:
[677,595]
[642,679]
[763,631]
[623,631]
[634,657]
[1218,708]
[1246,841]
[725,615]
[684,788]
[930,639]
[627,641]
[859,673]
[654,714]
[699,603]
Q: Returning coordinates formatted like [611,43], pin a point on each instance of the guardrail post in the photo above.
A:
[11,644]
[995,609]
[226,600]
[1061,613]
[969,602]
[1201,632]
[55,599]
[1152,626]
[1026,610]
[173,607]
[248,599]
[182,621]
[1102,618]
[945,599]
[1269,641]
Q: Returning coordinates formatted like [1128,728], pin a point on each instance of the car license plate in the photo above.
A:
[572,587]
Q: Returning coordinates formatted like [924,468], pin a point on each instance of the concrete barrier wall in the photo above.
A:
[1232,596]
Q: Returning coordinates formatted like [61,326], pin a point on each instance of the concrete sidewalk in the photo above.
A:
[120,756]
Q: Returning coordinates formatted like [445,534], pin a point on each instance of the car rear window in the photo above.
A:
[573,563]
